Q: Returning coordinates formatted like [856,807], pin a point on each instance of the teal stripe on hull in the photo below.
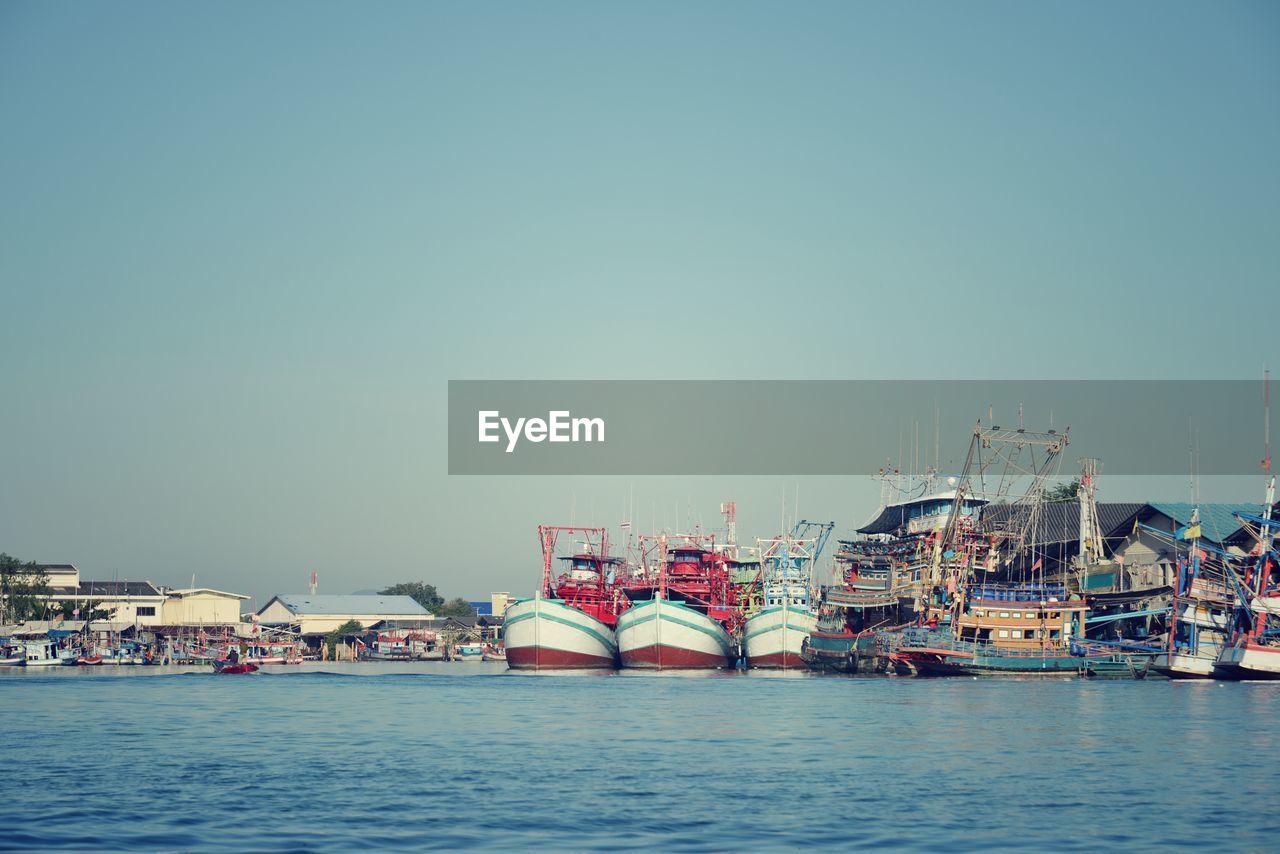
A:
[609,642]
[628,619]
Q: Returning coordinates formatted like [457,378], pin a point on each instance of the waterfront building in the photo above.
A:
[202,606]
[318,614]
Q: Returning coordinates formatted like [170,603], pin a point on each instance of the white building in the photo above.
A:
[321,614]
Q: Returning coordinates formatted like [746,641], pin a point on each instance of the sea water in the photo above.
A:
[470,755]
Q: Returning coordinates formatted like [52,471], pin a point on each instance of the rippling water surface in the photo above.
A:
[473,756]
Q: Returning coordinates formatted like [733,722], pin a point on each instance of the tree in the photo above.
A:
[347,629]
[419,591]
[24,588]
[1063,491]
[455,608]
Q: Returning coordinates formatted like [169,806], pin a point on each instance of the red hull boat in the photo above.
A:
[232,669]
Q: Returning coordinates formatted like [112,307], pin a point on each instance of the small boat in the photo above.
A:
[230,669]
[42,653]
[493,653]
[469,652]
[89,660]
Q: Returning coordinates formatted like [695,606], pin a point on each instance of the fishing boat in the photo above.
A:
[468,652]
[493,652]
[11,653]
[1253,651]
[1000,629]
[879,584]
[688,617]
[990,608]
[1200,618]
[41,652]
[775,634]
[569,622]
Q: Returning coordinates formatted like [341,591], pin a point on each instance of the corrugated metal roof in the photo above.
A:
[355,603]
[1059,521]
[117,588]
[1217,521]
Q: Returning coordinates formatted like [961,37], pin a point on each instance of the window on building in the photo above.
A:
[146,610]
[1017,633]
[1004,633]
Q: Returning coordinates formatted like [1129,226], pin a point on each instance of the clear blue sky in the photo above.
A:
[245,245]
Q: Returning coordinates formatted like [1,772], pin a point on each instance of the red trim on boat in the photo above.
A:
[538,658]
[785,660]
[665,657]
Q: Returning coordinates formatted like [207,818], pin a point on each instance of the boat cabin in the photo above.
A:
[1031,617]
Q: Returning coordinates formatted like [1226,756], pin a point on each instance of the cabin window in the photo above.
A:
[146,610]
[984,634]
[1016,633]
[1054,634]
[1017,615]
[1004,633]
[1004,614]
[1030,634]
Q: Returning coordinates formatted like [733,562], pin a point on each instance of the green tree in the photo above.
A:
[1063,491]
[419,591]
[24,589]
[346,630]
[455,608]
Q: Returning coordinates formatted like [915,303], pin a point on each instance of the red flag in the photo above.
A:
[1036,565]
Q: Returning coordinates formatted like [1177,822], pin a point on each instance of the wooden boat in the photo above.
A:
[89,660]
[41,653]
[469,652]
[1013,629]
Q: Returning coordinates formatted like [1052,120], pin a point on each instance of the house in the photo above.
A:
[201,606]
[1148,558]
[1055,530]
[318,614]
